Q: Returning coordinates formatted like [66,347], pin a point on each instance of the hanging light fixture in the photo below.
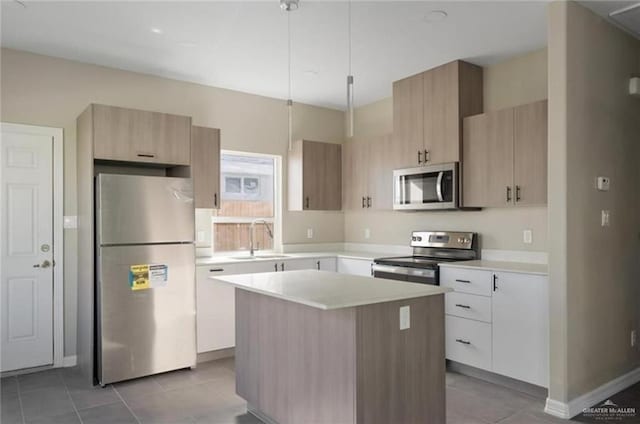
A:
[350,128]
[288,6]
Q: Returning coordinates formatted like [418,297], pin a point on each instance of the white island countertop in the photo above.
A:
[329,290]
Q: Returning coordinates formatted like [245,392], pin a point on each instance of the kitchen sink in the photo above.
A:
[249,257]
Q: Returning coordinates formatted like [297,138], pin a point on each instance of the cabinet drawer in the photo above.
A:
[468,306]
[467,280]
[468,342]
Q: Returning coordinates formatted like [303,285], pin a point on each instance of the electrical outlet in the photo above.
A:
[367,233]
[605,218]
[603,183]
[405,317]
[634,338]
[527,236]
[201,236]
[309,233]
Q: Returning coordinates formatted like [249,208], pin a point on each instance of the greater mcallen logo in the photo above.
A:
[608,410]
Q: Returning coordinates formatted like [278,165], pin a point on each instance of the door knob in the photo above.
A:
[45,264]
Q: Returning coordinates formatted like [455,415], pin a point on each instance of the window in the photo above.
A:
[248,194]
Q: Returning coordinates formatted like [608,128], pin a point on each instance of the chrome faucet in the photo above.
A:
[252,231]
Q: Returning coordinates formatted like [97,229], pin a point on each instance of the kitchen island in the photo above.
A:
[323,347]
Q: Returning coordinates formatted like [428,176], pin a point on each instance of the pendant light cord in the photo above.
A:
[289,49]
[349,28]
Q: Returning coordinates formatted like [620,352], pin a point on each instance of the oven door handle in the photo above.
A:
[401,270]
[439,186]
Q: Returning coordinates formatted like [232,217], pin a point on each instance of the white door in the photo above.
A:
[26,249]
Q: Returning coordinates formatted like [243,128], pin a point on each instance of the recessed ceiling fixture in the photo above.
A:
[435,16]
[186,43]
[289,5]
[156,30]
[350,112]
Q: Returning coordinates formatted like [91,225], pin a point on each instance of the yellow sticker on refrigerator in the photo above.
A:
[148,276]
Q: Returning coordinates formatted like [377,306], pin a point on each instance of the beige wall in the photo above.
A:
[46,91]
[516,81]
[595,271]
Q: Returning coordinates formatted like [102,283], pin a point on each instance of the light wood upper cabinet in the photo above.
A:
[428,111]
[205,167]
[130,135]
[408,119]
[315,176]
[530,153]
[505,157]
[367,166]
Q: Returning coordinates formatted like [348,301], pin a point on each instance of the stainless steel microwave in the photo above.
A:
[426,187]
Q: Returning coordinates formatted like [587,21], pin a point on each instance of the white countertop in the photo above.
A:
[329,290]
[521,267]
[219,260]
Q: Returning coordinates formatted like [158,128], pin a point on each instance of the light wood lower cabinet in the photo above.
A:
[130,135]
[315,176]
[505,157]
[505,330]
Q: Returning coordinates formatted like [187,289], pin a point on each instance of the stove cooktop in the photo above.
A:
[413,261]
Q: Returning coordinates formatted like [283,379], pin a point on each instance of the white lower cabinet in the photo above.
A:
[215,302]
[216,309]
[521,327]
[504,329]
[351,266]
[468,342]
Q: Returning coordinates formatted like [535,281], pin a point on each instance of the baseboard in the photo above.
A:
[587,400]
[216,354]
[70,361]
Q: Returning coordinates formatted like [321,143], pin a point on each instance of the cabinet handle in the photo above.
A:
[318,265]
[216,269]
[508,194]
[282,266]
[215,200]
[364,202]
[495,280]
[463,281]
[464,342]
[145,155]
[276,267]
[368,202]
[419,157]
[517,193]
[307,200]
[459,305]
[427,156]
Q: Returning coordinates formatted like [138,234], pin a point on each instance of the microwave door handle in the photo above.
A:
[401,189]
[439,186]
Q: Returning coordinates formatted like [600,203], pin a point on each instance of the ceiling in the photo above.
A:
[242,45]
[624,14]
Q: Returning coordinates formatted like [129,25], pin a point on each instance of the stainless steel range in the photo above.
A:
[429,249]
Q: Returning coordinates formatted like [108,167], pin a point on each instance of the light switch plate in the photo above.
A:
[201,237]
[527,236]
[309,233]
[70,222]
[367,233]
[405,317]
[606,218]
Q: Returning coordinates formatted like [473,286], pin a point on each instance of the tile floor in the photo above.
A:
[207,395]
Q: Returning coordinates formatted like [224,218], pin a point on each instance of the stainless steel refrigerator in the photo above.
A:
[145,292]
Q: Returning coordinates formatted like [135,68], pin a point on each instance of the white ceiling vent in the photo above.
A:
[628,18]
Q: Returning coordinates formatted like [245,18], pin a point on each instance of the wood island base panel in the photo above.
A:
[296,363]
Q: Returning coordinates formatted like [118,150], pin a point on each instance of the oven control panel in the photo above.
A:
[443,239]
